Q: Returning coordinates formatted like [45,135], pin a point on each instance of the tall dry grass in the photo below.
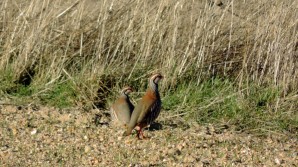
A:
[108,43]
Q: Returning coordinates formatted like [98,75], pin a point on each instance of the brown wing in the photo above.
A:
[147,106]
[122,111]
[153,113]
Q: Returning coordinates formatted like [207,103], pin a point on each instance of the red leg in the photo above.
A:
[144,137]
[140,133]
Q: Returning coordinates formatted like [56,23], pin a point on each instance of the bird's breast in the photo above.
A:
[150,95]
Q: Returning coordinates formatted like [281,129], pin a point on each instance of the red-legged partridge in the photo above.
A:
[147,109]
[122,108]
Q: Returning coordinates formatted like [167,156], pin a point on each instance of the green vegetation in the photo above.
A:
[235,65]
[62,95]
[218,101]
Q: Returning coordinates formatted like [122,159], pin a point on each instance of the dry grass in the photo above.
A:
[52,40]
[65,53]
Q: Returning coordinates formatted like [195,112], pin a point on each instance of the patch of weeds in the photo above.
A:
[276,121]
[18,87]
[105,84]
[61,95]
[21,90]
[261,97]
[6,81]
[219,100]
[210,100]
[10,87]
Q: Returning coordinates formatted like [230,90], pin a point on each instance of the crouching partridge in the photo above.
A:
[122,108]
[147,109]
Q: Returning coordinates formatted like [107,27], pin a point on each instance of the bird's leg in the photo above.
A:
[144,137]
[140,133]
[138,129]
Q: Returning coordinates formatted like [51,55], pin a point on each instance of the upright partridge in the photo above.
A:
[122,108]
[147,109]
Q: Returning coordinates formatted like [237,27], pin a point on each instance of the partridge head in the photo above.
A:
[122,108]
[147,109]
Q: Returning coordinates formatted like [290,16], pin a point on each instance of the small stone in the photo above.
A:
[101,138]
[189,159]
[33,132]
[277,161]
[14,131]
[170,152]
[4,148]
[87,149]
[94,162]
[180,147]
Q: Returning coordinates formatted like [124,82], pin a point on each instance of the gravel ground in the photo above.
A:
[42,136]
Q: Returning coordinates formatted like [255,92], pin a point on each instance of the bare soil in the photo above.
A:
[42,136]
